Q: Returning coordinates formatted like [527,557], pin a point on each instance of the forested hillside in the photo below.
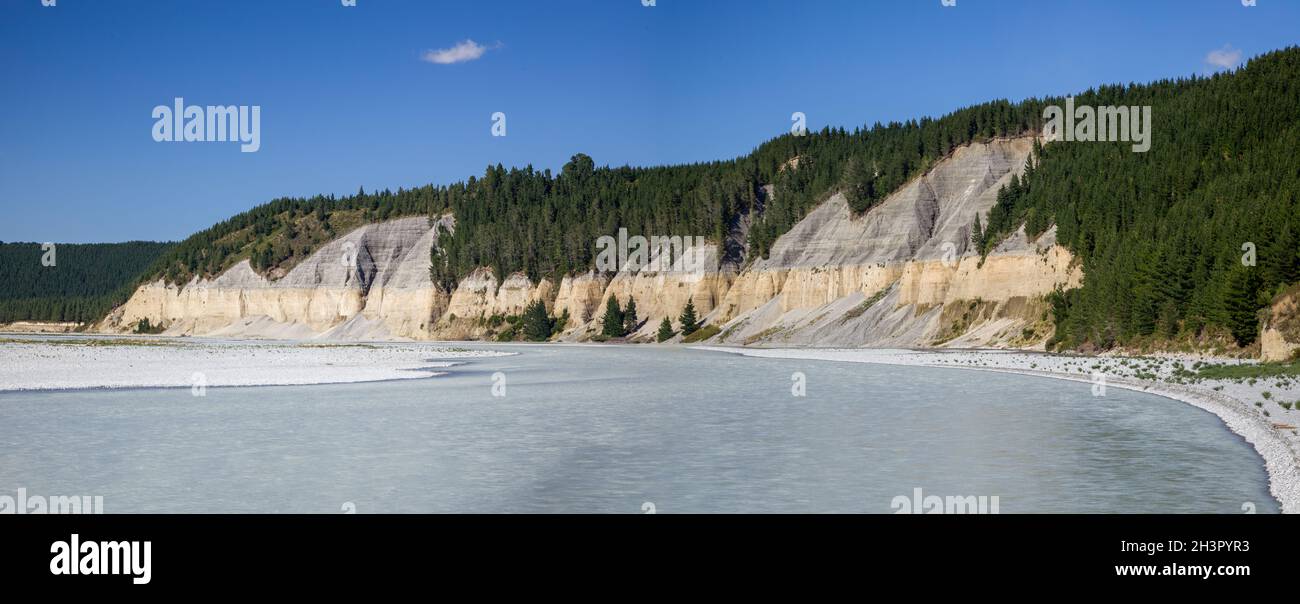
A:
[85,282]
[546,225]
[1161,233]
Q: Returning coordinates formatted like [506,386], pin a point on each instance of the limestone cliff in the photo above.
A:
[1280,337]
[371,283]
[902,274]
[664,293]
[479,297]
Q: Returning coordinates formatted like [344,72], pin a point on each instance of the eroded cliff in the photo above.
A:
[902,274]
[372,283]
[1280,338]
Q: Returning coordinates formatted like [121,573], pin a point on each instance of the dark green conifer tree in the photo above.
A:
[665,330]
[688,320]
[537,323]
[612,324]
[630,320]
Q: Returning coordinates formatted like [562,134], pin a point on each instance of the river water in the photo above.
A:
[626,430]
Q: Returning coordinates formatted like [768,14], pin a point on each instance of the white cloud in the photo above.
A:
[1224,58]
[468,50]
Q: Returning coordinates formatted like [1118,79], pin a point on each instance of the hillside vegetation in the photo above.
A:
[1160,233]
[85,282]
[546,225]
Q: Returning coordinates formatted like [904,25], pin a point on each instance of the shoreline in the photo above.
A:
[1281,462]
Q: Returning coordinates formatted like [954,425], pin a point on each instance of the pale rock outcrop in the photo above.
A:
[1016,269]
[479,297]
[475,296]
[581,296]
[1275,347]
[515,293]
[1279,339]
[379,271]
[883,278]
[662,288]
[404,298]
[902,274]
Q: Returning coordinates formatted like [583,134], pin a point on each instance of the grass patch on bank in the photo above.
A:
[866,305]
[701,334]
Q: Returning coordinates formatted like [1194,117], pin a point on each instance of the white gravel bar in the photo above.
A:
[80,363]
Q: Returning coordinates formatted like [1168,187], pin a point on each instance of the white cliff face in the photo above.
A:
[903,274]
[885,278]
[517,292]
[403,297]
[662,290]
[475,296]
[659,291]
[1279,340]
[580,296]
[371,282]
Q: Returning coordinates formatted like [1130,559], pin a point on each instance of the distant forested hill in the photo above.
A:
[86,281]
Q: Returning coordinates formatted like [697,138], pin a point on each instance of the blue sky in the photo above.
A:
[349,98]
